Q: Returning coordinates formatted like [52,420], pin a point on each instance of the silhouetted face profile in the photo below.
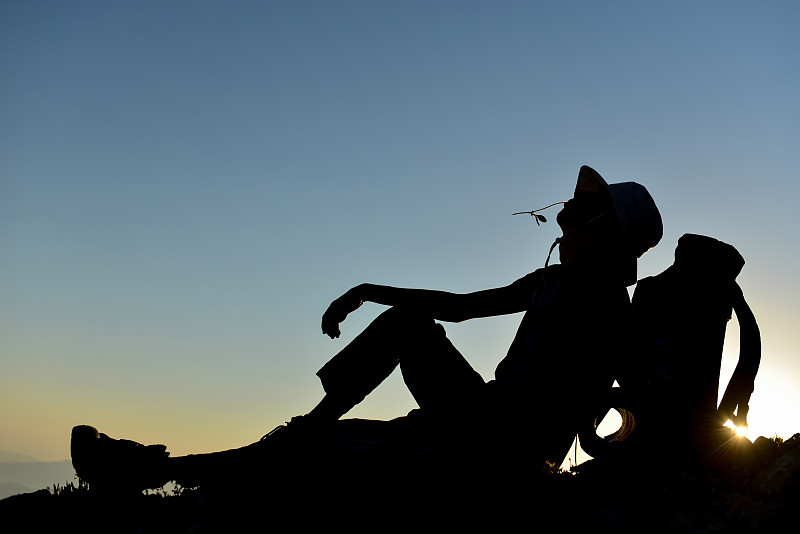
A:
[587,223]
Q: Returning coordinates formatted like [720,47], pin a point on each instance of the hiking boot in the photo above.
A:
[117,465]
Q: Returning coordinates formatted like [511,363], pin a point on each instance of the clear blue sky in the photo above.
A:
[185,186]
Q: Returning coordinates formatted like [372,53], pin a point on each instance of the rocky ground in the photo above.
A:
[423,494]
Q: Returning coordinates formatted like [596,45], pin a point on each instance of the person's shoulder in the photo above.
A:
[527,284]
[535,276]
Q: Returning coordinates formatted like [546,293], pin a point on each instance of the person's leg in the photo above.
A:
[435,372]
[441,380]
[437,375]
[243,463]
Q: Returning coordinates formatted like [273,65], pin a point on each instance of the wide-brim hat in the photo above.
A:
[640,226]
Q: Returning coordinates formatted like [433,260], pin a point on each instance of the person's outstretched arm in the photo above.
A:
[742,382]
[442,305]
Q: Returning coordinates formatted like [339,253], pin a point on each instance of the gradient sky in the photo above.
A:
[185,186]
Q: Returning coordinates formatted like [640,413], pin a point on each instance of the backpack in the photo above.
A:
[668,390]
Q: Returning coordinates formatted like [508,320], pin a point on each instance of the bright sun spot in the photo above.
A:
[741,431]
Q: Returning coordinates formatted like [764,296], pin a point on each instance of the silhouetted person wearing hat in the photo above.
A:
[567,350]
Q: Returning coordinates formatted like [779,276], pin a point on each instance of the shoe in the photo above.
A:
[117,465]
[298,427]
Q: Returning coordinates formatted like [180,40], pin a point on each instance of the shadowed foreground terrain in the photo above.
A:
[379,492]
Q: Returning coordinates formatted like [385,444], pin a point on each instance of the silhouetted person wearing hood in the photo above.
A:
[566,351]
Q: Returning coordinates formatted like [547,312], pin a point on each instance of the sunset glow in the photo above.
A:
[186,186]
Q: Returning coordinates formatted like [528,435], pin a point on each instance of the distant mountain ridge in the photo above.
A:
[8,456]
[28,474]
[7,489]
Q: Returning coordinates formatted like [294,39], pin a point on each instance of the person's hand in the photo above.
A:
[736,399]
[740,418]
[338,311]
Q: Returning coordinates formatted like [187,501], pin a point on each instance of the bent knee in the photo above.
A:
[410,320]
